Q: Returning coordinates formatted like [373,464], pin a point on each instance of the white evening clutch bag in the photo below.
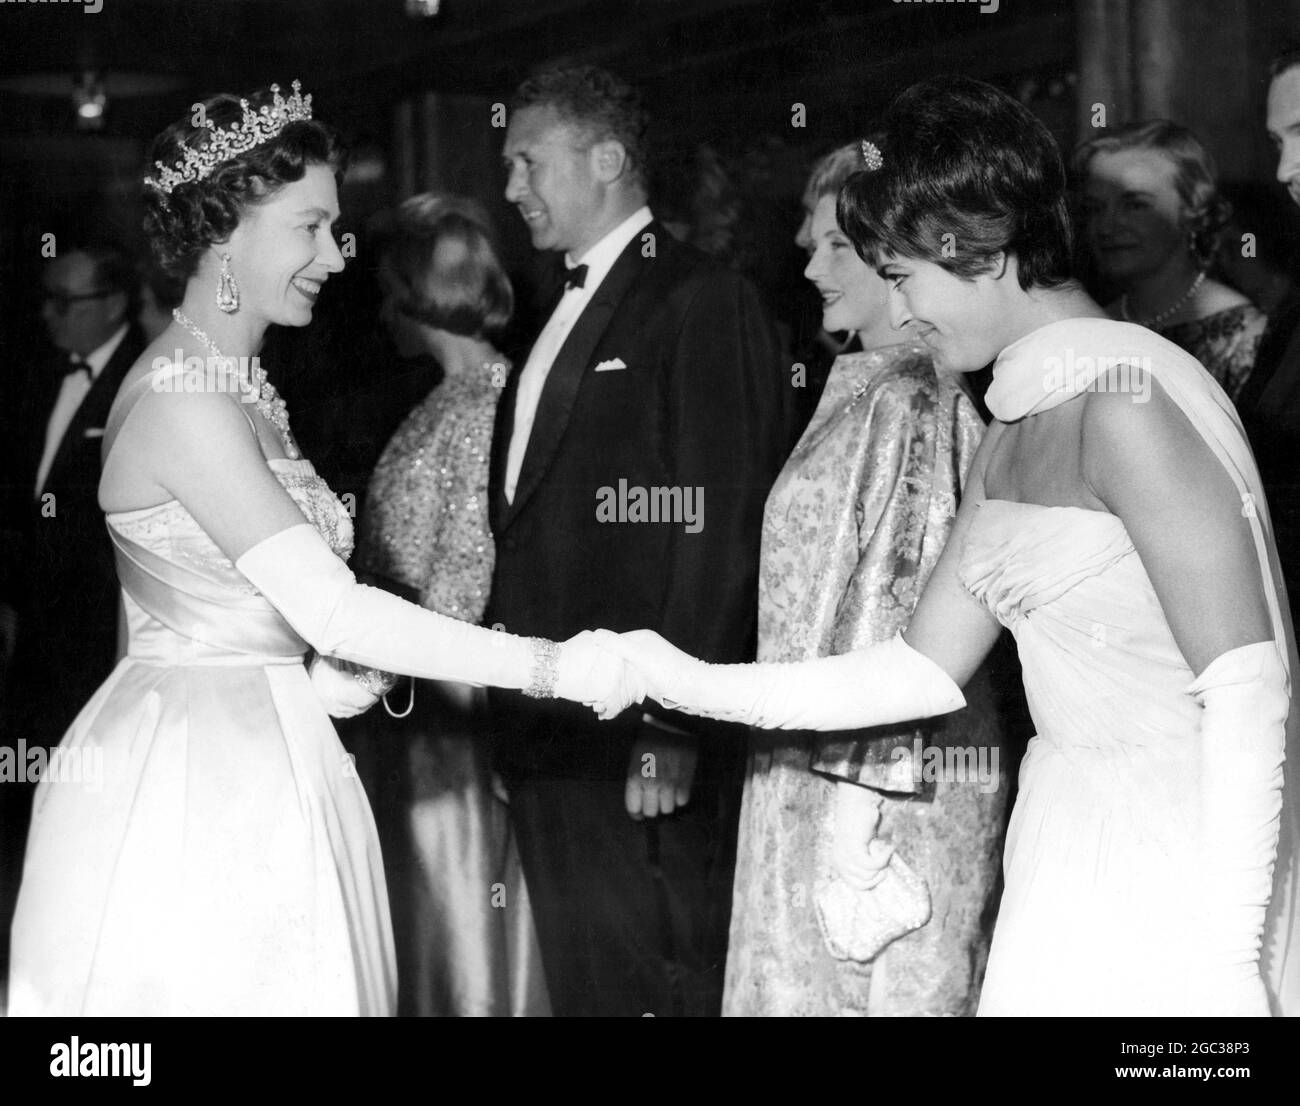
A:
[858,925]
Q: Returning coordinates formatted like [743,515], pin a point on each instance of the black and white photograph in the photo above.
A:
[650,508]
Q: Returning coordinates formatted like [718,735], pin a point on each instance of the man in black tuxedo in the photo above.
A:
[57,583]
[633,455]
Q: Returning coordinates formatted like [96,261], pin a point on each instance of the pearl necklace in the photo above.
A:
[254,383]
[1156,320]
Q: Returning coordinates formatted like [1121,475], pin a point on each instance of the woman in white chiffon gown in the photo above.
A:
[223,860]
[1114,522]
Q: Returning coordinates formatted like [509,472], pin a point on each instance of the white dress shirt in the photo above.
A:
[76,386]
[599,260]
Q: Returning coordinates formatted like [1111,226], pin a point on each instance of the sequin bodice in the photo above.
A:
[426,518]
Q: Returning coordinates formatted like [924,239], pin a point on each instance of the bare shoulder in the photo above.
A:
[175,421]
[192,419]
[1189,523]
[1128,414]
[169,432]
[1140,446]
[149,365]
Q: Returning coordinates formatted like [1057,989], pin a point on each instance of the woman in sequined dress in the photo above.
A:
[1153,217]
[461,917]
[852,528]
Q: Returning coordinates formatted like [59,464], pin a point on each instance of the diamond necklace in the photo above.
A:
[1156,320]
[254,383]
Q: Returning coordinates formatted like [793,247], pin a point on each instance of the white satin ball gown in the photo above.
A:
[227,861]
[223,858]
[1107,849]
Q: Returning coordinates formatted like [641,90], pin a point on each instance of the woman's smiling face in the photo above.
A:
[283,249]
[955,317]
[1133,214]
[853,296]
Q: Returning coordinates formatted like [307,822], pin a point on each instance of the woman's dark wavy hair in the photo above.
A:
[462,289]
[1195,178]
[968,173]
[198,214]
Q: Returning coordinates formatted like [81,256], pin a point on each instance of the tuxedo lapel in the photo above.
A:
[498,506]
[92,412]
[39,397]
[565,377]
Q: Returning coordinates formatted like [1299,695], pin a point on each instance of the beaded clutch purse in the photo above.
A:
[858,925]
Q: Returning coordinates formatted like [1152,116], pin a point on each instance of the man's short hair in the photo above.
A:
[596,102]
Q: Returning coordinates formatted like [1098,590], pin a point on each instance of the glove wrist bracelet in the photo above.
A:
[544,669]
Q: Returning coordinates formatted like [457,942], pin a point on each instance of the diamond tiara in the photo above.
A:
[225,143]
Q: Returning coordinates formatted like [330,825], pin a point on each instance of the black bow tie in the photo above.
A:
[575,277]
[75,365]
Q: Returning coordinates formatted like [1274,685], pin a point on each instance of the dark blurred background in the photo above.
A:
[745,94]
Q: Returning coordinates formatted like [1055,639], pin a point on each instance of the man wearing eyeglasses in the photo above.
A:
[58,591]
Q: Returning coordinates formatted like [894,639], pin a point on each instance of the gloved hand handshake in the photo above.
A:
[886,682]
[609,672]
[662,671]
[590,673]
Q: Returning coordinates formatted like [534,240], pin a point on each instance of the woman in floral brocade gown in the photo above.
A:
[852,528]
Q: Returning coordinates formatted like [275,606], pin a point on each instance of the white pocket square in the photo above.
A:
[610,366]
[94,432]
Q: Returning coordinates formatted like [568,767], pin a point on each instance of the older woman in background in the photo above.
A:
[852,528]
[462,921]
[1152,215]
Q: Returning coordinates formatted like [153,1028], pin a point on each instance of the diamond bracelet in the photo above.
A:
[374,680]
[544,670]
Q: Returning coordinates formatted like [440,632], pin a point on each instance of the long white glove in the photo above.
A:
[1245,697]
[321,599]
[857,854]
[887,682]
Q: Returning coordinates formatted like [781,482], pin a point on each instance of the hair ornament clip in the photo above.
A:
[872,158]
[224,143]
